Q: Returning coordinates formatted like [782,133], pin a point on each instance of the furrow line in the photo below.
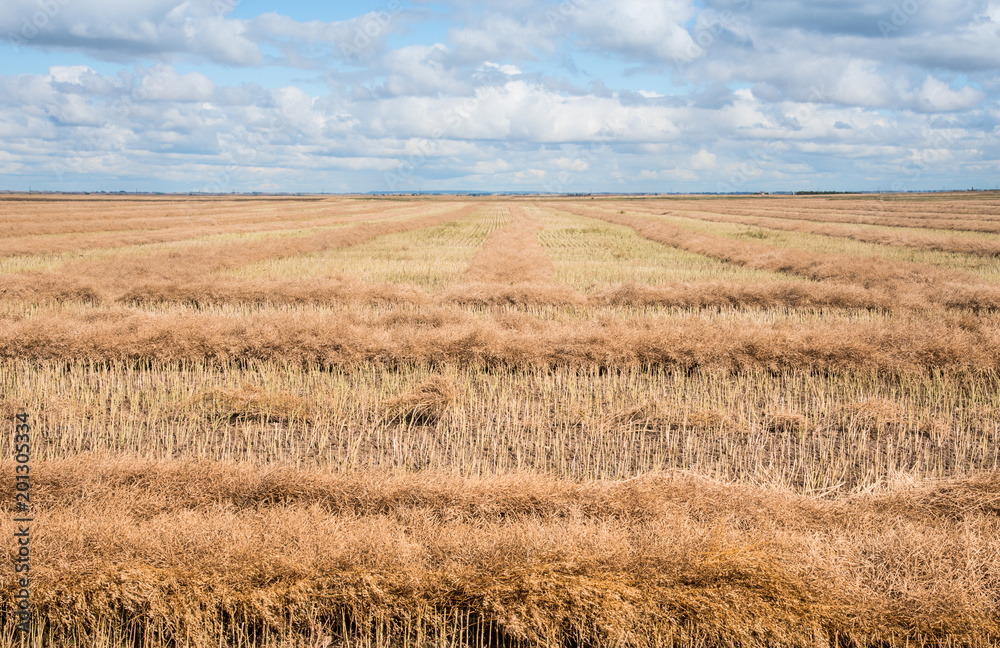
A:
[904,283]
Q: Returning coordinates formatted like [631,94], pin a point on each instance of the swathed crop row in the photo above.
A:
[903,343]
[958,215]
[195,262]
[114,234]
[907,282]
[199,553]
[938,241]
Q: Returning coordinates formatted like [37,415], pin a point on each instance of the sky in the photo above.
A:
[515,95]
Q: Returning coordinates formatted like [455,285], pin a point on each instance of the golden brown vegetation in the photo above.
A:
[512,267]
[161,269]
[944,212]
[424,405]
[906,283]
[47,228]
[616,422]
[898,344]
[513,254]
[946,241]
[206,553]
[840,432]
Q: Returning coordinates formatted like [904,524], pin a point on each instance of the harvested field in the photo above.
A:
[505,421]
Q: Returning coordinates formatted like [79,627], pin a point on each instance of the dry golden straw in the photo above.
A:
[505,421]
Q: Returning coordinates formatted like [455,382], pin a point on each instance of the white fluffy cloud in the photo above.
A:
[646,30]
[935,95]
[123,29]
[164,83]
[633,95]
[703,160]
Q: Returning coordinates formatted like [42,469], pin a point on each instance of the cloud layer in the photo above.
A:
[634,95]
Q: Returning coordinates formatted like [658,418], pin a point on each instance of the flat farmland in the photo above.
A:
[505,421]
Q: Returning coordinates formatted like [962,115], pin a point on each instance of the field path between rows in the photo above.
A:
[513,267]
[513,254]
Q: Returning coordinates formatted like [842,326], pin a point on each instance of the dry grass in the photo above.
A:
[26,216]
[46,228]
[595,256]
[394,422]
[428,258]
[182,275]
[251,403]
[942,240]
[749,295]
[423,405]
[906,343]
[512,254]
[204,554]
[512,268]
[906,283]
[329,291]
[981,267]
[160,270]
[956,213]
[861,431]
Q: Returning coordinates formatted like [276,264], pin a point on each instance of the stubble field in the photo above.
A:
[413,421]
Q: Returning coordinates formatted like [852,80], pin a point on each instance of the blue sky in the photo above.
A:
[578,95]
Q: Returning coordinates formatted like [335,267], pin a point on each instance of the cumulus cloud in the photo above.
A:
[164,83]
[420,70]
[122,29]
[569,164]
[498,35]
[860,84]
[935,95]
[703,160]
[640,94]
[359,40]
[646,30]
